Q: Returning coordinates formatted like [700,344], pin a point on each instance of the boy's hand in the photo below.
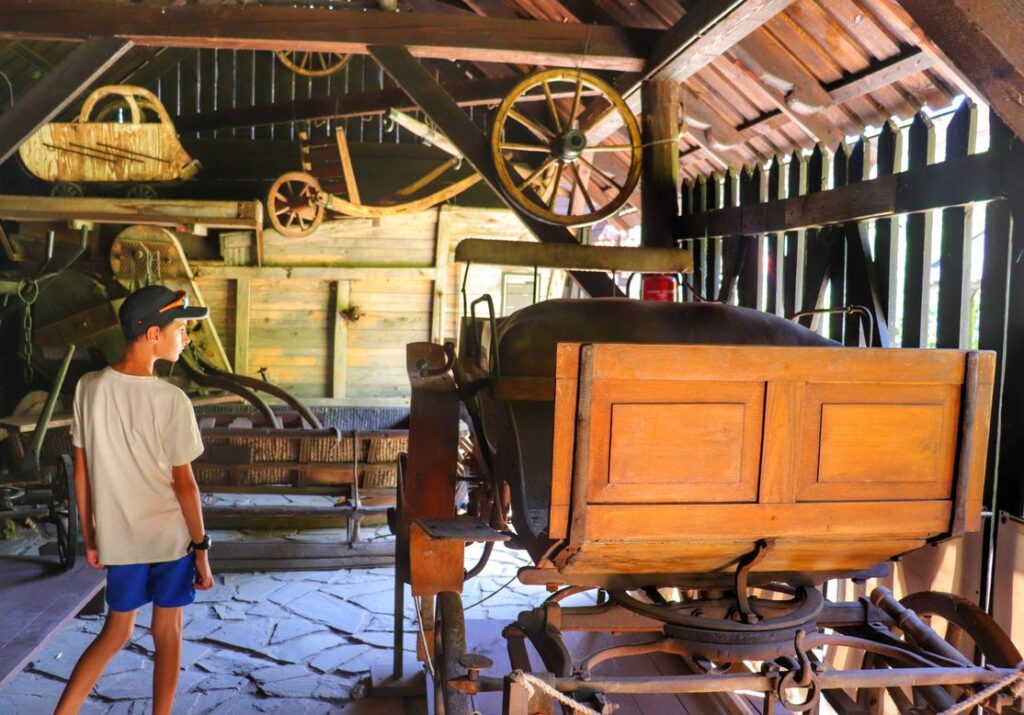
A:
[93,557]
[204,576]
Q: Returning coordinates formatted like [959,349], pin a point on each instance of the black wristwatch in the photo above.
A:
[203,545]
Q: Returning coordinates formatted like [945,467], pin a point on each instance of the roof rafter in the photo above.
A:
[983,41]
[466,37]
[57,89]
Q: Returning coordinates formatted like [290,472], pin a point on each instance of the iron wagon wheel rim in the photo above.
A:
[987,635]
[512,185]
[64,512]
[291,189]
[450,645]
[807,604]
[306,60]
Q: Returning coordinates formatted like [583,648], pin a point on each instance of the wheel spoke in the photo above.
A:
[583,190]
[292,216]
[323,60]
[555,186]
[514,146]
[540,131]
[606,177]
[282,210]
[609,147]
[280,197]
[576,97]
[305,61]
[536,172]
[552,108]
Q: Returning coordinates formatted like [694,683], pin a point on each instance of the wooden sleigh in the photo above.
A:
[98,148]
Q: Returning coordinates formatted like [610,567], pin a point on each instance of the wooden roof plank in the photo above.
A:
[57,89]
[983,40]
[467,37]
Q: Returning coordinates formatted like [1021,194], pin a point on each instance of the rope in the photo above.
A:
[423,636]
[1015,679]
[492,594]
[532,682]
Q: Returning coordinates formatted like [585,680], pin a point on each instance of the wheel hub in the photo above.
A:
[571,144]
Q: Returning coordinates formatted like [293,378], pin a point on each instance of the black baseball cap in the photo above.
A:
[156,305]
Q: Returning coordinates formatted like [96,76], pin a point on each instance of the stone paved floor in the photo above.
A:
[290,643]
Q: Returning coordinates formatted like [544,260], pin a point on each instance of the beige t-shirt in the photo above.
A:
[133,430]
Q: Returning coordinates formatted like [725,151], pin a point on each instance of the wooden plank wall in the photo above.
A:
[207,80]
[945,277]
[288,316]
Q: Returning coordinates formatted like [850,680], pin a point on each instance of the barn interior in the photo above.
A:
[532,319]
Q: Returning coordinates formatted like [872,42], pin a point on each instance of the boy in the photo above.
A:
[135,437]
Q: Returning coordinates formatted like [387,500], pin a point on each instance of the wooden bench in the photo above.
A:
[38,600]
[671,461]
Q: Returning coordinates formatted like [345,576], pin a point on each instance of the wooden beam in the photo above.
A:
[431,97]
[242,325]
[153,212]
[709,28]
[216,269]
[660,180]
[466,37]
[357,104]
[60,87]
[982,39]
[979,177]
[909,61]
[340,291]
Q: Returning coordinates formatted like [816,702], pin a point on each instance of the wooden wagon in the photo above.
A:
[728,455]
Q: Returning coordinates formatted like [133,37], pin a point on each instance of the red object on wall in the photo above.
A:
[659,287]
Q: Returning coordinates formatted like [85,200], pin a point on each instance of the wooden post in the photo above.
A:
[242,325]
[919,244]
[955,261]
[442,249]
[889,161]
[660,179]
[339,339]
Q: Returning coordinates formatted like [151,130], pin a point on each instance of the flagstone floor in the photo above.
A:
[290,643]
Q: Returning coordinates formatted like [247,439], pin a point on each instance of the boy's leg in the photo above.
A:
[115,633]
[167,642]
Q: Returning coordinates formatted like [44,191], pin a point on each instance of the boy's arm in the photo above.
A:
[83,495]
[186,490]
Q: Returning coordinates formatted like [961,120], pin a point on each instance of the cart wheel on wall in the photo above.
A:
[313,64]
[292,204]
[449,647]
[64,512]
[552,166]
[142,191]
[67,189]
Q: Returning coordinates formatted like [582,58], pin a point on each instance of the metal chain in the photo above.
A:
[28,291]
[26,330]
[1014,680]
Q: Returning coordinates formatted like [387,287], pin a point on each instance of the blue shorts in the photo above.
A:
[167,584]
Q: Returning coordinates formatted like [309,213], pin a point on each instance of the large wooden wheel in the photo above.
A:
[449,647]
[292,204]
[64,512]
[963,625]
[556,167]
[313,64]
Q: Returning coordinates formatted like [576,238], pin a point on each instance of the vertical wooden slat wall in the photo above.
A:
[920,294]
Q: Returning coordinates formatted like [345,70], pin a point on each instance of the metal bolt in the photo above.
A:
[474,663]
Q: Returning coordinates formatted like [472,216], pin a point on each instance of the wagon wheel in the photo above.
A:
[67,189]
[449,646]
[965,626]
[556,169]
[142,191]
[313,64]
[64,512]
[292,204]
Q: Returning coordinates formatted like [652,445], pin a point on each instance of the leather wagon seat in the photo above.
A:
[527,340]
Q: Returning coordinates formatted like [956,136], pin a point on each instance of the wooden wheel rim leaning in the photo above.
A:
[294,225]
[326,68]
[510,183]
